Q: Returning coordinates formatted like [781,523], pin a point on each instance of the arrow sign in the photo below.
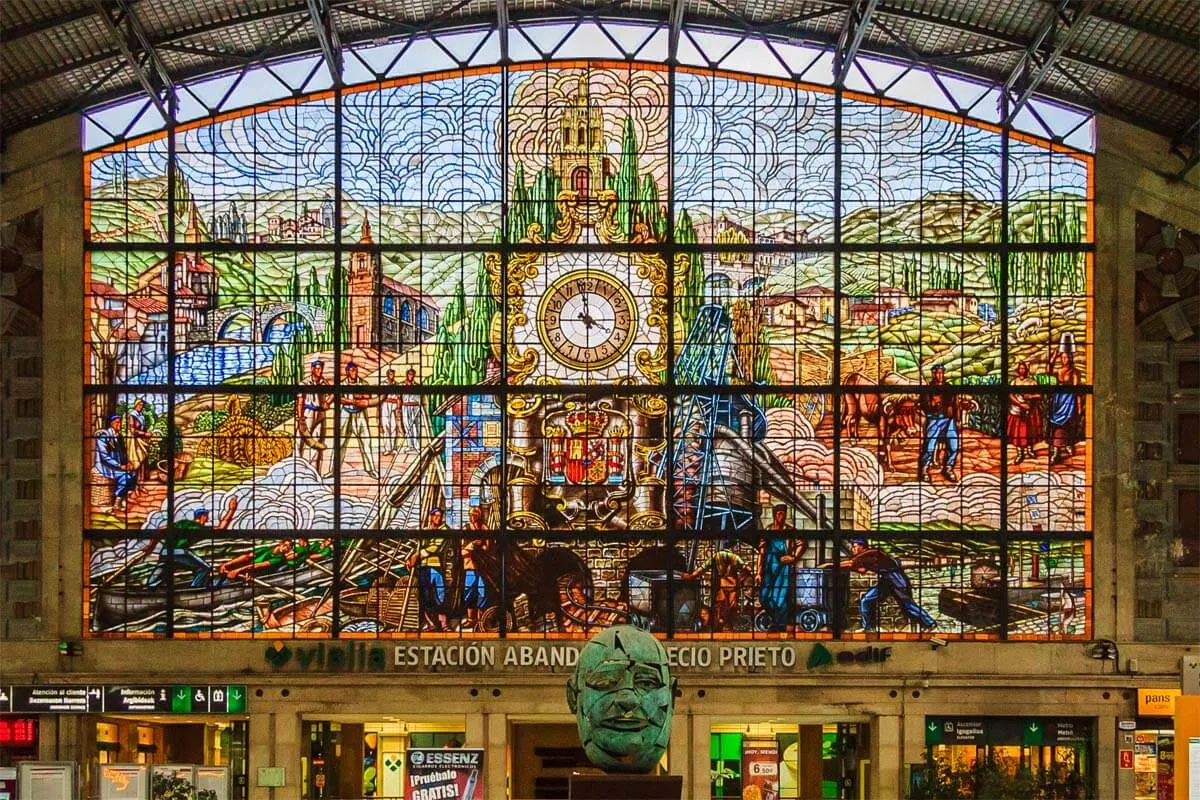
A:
[181,700]
[1033,734]
[237,700]
[934,733]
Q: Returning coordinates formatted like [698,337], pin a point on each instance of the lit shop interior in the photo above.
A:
[764,760]
[156,741]
[1056,757]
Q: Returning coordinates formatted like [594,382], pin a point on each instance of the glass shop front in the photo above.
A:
[978,757]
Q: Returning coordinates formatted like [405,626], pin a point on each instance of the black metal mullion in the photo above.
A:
[1005,258]
[502,385]
[168,541]
[672,396]
[341,285]
[338,545]
[839,622]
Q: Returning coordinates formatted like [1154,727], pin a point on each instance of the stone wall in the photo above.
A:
[20,426]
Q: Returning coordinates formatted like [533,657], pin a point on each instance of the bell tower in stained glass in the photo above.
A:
[581,162]
[362,278]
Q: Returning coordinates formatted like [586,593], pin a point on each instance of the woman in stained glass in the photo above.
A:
[776,557]
[136,438]
[1066,407]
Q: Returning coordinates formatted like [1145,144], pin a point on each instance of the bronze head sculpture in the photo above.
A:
[623,696]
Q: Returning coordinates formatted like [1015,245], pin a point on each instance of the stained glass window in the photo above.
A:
[528,351]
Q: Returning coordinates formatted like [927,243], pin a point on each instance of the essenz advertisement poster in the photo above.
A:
[444,773]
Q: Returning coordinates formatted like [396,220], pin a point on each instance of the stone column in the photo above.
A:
[698,768]
[885,757]
[1111,780]
[680,750]
[261,753]
[495,757]
[275,742]
[475,733]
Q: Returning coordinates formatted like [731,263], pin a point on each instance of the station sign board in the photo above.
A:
[61,699]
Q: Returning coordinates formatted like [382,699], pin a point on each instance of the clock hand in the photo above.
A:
[591,322]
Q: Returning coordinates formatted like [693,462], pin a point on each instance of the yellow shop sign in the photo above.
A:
[1157,702]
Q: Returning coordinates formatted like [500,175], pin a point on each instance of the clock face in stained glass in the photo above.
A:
[586,320]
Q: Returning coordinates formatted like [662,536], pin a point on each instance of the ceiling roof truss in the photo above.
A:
[854,28]
[1061,25]
[327,36]
[130,38]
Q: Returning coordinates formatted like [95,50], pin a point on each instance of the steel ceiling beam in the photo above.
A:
[783,27]
[858,17]
[1145,28]
[1047,47]
[790,27]
[925,18]
[152,75]
[502,25]
[674,31]
[48,24]
[327,37]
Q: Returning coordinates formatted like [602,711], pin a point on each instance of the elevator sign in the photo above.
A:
[123,699]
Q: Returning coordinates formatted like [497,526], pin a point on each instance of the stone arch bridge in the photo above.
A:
[261,317]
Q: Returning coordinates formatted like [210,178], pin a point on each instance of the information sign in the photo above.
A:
[18,733]
[130,699]
[1031,732]
[56,699]
[960,730]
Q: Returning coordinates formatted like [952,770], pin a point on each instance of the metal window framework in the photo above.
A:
[504,24]
[1002,539]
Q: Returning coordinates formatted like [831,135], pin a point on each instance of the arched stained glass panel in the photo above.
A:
[542,348]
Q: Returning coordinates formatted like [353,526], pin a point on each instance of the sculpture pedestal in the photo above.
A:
[626,787]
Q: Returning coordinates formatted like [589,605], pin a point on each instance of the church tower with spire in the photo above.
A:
[580,156]
[362,282]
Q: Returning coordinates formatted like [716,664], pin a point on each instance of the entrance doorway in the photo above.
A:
[348,759]
[789,760]
[543,756]
[581,180]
